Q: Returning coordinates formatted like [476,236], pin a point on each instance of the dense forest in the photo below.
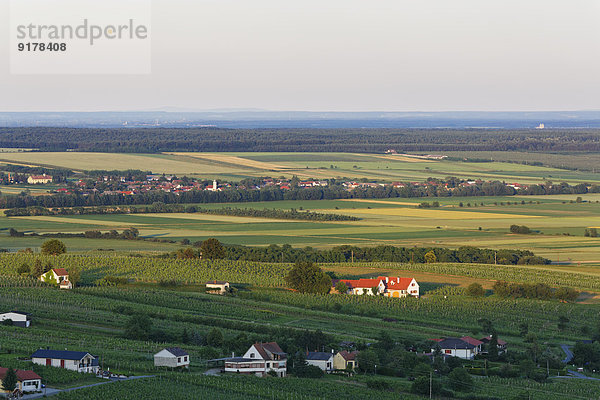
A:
[151,140]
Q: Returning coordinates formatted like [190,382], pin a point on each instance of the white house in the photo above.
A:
[320,359]
[27,381]
[466,347]
[217,286]
[18,318]
[363,286]
[55,275]
[259,360]
[79,361]
[400,287]
[388,286]
[37,179]
[173,357]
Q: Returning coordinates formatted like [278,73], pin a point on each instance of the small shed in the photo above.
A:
[18,318]
[172,357]
[217,286]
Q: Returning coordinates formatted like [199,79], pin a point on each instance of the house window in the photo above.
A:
[178,359]
[185,358]
[251,355]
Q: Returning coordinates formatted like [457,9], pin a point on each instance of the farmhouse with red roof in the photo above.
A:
[382,285]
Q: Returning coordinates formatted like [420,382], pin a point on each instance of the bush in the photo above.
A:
[520,229]
[421,386]
[308,371]
[475,290]
[379,384]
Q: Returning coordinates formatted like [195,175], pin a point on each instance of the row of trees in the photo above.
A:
[160,207]
[383,253]
[534,291]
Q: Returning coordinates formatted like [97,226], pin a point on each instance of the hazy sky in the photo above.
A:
[343,55]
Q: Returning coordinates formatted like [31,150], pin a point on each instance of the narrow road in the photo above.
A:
[568,352]
[579,375]
[51,391]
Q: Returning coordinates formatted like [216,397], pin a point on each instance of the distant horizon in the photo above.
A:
[256,119]
[268,110]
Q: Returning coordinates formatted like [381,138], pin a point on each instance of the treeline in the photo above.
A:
[153,140]
[534,291]
[465,254]
[291,214]
[127,234]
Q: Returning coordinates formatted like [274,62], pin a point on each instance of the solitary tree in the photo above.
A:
[306,277]
[53,247]
[430,257]
[10,381]
[214,338]
[138,327]
[74,275]
[367,360]
[212,249]
[38,269]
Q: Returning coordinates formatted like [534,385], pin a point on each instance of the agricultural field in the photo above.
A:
[558,223]
[236,166]
[95,319]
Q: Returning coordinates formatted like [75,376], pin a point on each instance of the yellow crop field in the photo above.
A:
[52,218]
[210,217]
[436,214]
[402,203]
[239,161]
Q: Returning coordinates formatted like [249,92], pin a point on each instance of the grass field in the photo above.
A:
[394,221]
[305,165]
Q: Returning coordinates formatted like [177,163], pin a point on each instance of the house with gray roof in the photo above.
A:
[172,357]
[79,361]
[320,359]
